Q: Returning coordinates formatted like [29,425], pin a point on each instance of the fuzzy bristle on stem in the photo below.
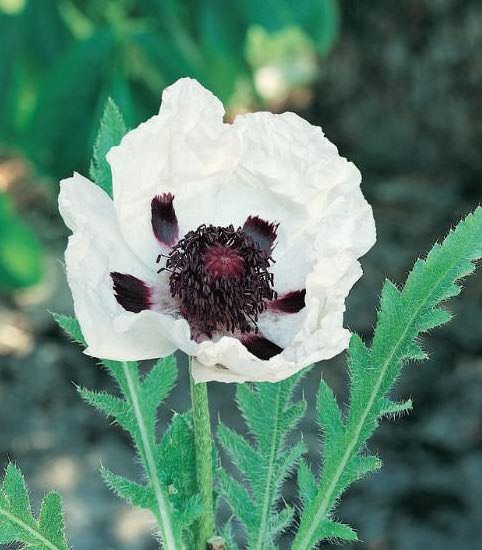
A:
[203,444]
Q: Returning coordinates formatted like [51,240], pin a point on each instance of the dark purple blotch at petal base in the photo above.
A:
[164,220]
[131,293]
[262,232]
[291,302]
[261,346]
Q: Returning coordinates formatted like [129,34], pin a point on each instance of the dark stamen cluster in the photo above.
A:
[229,297]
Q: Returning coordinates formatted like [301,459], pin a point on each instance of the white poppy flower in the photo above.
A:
[235,243]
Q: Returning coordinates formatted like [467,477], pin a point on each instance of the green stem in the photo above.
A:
[203,443]
[268,491]
[163,516]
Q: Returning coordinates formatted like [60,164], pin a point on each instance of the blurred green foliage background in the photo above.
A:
[61,59]
[396,85]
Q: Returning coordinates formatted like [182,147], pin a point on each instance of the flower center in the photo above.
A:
[222,261]
[220,277]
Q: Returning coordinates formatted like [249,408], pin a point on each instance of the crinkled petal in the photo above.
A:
[96,249]
[308,188]
[227,360]
[275,167]
[300,181]
[183,148]
[315,333]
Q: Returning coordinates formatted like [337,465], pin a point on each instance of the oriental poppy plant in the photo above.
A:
[235,243]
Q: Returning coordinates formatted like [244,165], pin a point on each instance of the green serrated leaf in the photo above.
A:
[158,382]
[16,493]
[359,359]
[287,463]
[307,483]
[111,406]
[391,408]
[414,352]
[266,464]
[136,413]
[434,318]
[111,130]
[403,316]
[71,327]
[238,499]
[245,457]
[51,520]
[17,523]
[281,521]
[360,466]
[8,532]
[175,459]
[138,495]
[190,511]
[116,370]
[336,531]
[329,415]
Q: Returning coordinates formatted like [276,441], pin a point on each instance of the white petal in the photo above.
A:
[95,249]
[314,334]
[303,183]
[290,173]
[229,361]
[184,147]
[321,334]
[278,167]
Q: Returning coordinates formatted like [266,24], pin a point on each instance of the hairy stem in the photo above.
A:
[261,539]
[162,514]
[31,530]
[203,443]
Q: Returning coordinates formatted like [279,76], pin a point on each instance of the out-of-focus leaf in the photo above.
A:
[221,26]
[277,48]
[222,33]
[322,22]
[282,61]
[44,33]
[79,24]
[9,33]
[318,18]
[60,129]
[121,93]
[158,52]
[272,15]
[59,61]
[12,7]
[32,39]
[20,251]
[162,9]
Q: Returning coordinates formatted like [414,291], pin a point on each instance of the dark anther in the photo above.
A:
[159,256]
[221,277]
